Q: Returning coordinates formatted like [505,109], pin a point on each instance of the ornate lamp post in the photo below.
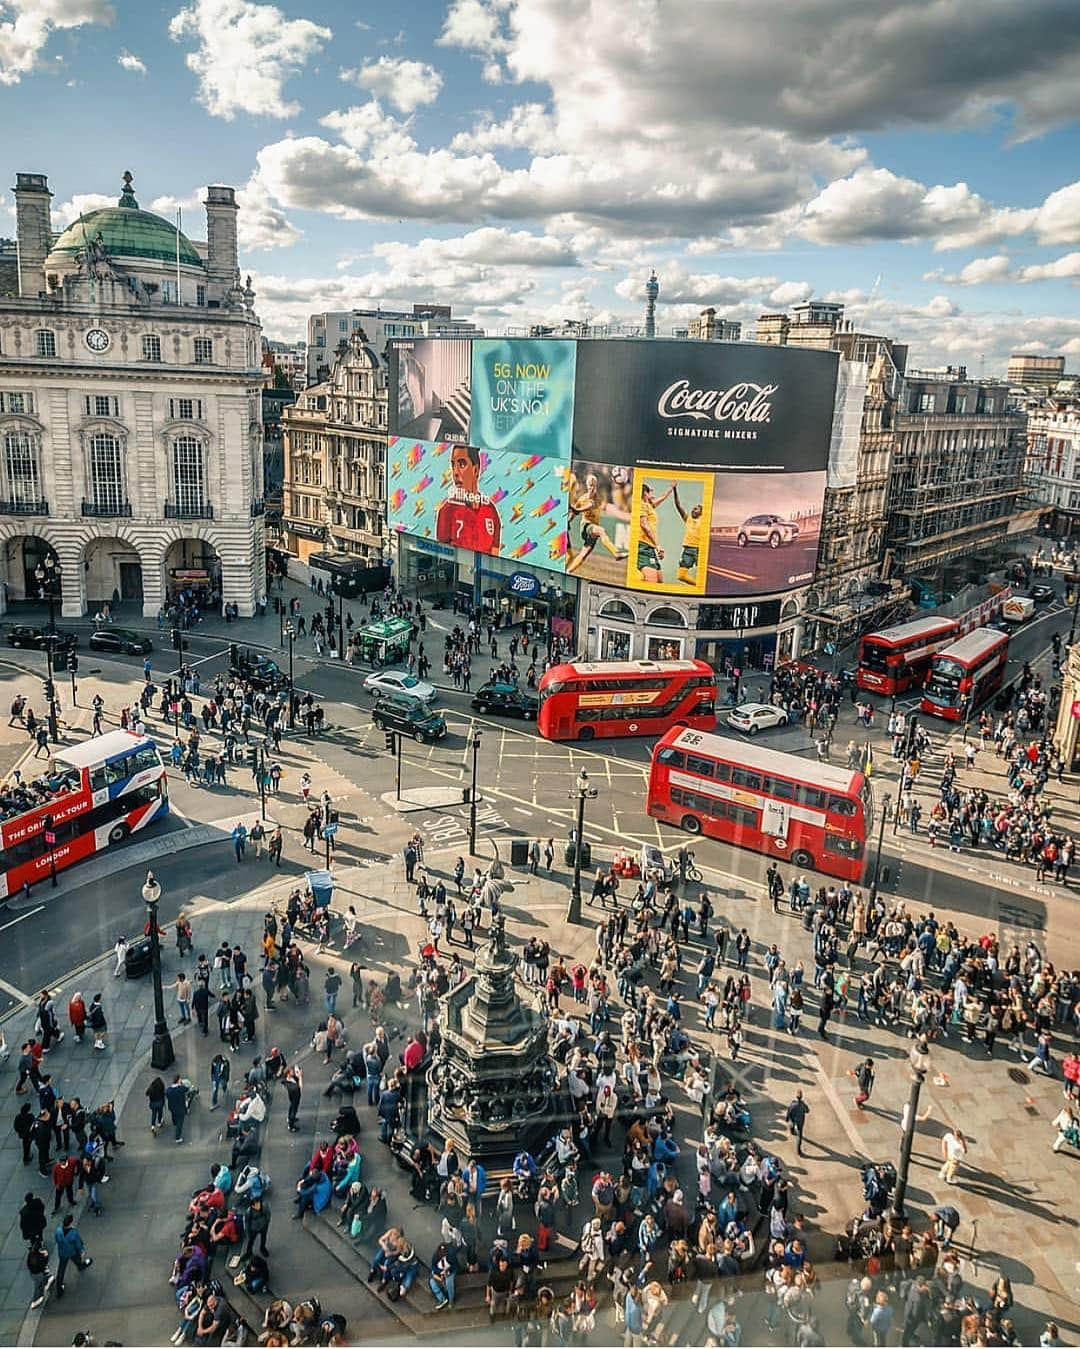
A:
[919,1060]
[47,574]
[582,792]
[161,1055]
[290,632]
[887,801]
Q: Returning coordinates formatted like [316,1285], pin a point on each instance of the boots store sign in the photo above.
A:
[729,407]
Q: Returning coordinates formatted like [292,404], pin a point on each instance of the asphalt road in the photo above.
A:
[758,569]
[524,786]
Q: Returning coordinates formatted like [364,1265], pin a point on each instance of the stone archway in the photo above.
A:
[192,567]
[20,554]
[113,570]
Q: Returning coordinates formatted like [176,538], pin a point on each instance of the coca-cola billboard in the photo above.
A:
[740,407]
[699,467]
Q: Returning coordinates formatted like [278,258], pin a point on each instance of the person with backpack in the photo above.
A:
[864,1075]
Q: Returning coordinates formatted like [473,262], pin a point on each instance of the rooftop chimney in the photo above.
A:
[33,228]
[221,261]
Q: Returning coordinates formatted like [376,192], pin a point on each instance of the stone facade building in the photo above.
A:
[1052,471]
[335,459]
[130,419]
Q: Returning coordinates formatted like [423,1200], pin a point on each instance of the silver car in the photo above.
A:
[770,529]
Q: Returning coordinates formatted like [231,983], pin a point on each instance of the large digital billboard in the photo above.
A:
[699,468]
[676,467]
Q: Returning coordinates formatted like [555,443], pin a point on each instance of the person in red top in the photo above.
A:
[63,1178]
[414,1054]
[77,1016]
[322,1159]
[467,518]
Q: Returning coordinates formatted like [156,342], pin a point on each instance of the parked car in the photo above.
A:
[753,717]
[35,640]
[1042,593]
[506,698]
[400,681]
[408,715]
[120,639]
[773,530]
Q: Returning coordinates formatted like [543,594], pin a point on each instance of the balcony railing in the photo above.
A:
[24,507]
[175,512]
[106,510]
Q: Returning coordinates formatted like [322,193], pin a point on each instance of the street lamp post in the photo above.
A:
[290,632]
[47,575]
[161,1054]
[582,792]
[886,802]
[919,1059]
[474,745]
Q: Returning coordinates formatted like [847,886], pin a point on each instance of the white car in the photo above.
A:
[400,681]
[754,717]
[772,530]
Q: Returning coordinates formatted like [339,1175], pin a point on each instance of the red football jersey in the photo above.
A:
[477,528]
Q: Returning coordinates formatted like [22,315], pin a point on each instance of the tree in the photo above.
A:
[281,379]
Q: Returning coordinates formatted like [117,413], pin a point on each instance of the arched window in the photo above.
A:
[667,617]
[22,470]
[188,477]
[617,609]
[106,474]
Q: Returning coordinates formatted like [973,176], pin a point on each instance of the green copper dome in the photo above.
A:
[127,232]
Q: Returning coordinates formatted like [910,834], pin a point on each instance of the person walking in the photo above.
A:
[64,1172]
[275,845]
[294,1091]
[331,988]
[239,839]
[176,1100]
[200,1002]
[23,1125]
[98,1024]
[864,1076]
[953,1151]
[37,1266]
[77,1017]
[219,1078]
[71,1250]
[183,998]
[155,1099]
[796,1115]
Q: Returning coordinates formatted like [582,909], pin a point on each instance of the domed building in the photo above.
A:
[130,418]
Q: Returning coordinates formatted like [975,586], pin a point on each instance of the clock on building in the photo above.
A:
[97,339]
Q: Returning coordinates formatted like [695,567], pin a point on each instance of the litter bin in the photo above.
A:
[519,852]
[139,958]
[586,854]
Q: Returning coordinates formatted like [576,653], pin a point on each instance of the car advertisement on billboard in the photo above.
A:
[523,395]
[699,468]
[693,468]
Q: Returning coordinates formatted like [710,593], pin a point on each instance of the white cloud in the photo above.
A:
[978,272]
[27,25]
[407,85]
[1061,269]
[259,223]
[529,126]
[699,289]
[810,69]
[130,62]
[246,52]
[82,202]
[790,292]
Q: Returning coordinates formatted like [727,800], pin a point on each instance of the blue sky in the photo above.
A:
[530,160]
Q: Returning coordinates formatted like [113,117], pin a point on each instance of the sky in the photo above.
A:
[530,161]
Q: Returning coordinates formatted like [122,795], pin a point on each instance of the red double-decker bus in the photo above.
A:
[89,796]
[966,673]
[581,700]
[891,660]
[811,814]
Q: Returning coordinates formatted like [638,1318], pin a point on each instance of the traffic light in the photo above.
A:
[48,689]
[73,662]
[391,741]
[60,660]
[176,640]
[253,756]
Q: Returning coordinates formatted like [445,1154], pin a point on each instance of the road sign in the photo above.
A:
[329,830]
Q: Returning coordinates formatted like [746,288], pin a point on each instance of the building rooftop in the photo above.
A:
[127,232]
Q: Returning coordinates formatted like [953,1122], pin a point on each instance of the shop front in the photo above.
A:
[748,634]
[303,538]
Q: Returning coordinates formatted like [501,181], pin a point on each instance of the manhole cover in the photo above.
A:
[1019,1076]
